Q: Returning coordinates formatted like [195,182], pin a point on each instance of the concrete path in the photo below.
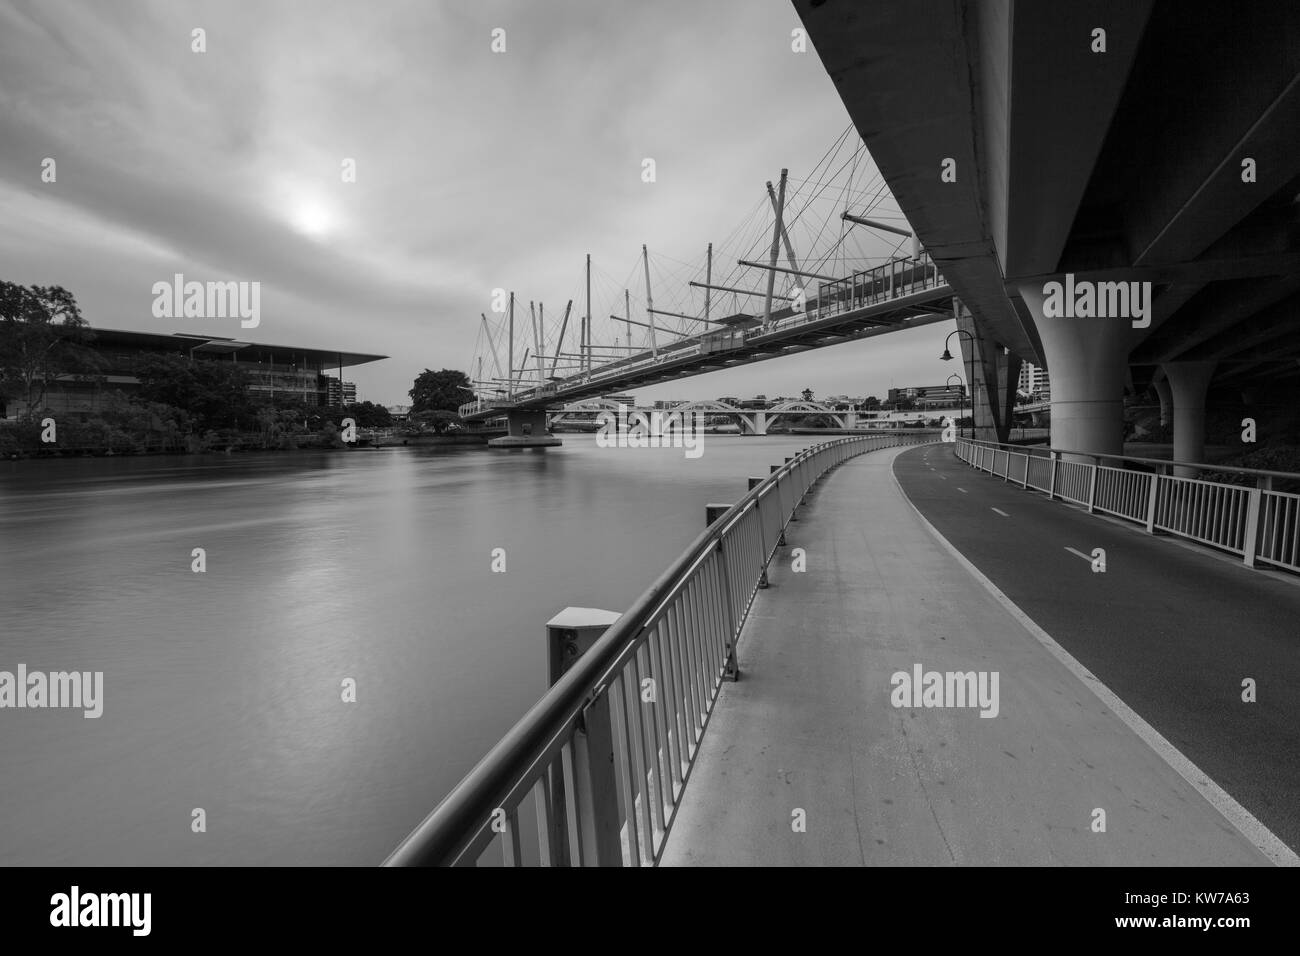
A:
[1172,627]
[810,726]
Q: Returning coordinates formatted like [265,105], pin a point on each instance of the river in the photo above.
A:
[223,690]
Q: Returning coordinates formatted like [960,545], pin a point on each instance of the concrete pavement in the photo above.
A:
[1171,627]
[809,732]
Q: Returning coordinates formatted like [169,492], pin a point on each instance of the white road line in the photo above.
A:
[1001,512]
[963,491]
[1086,557]
[1259,835]
[944,477]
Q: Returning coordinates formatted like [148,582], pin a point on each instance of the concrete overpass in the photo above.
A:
[1117,142]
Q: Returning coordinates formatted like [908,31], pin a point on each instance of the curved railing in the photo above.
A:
[547,793]
[1258,523]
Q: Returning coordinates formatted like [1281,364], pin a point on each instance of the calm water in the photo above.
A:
[222,690]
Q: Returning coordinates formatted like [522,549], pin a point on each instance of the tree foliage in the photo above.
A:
[42,336]
[442,391]
[215,394]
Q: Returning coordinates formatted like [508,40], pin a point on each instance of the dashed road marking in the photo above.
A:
[1086,557]
[1001,512]
[963,491]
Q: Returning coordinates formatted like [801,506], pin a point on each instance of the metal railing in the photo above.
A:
[595,754]
[891,280]
[1258,523]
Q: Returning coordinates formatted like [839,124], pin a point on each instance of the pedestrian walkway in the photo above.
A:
[806,761]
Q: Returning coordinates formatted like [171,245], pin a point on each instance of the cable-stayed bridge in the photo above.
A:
[810,271]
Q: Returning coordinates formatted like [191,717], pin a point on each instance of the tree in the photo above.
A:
[42,336]
[870,402]
[441,391]
[438,421]
[807,394]
[369,415]
[215,394]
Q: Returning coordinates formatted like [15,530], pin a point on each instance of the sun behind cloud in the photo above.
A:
[313,218]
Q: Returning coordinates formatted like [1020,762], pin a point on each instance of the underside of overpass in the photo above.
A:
[1117,141]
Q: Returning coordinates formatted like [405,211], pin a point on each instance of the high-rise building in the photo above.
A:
[1034,380]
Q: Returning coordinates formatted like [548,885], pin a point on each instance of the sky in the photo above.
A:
[475,170]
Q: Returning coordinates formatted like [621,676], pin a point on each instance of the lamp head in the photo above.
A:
[946,356]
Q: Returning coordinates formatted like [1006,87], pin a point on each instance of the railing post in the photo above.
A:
[570,634]
[780,542]
[1151,502]
[762,537]
[1092,486]
[795,499]
[731,667]
[1252,525]
[1051,483]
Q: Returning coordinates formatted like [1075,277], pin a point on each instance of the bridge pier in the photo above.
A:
[1166,397]
[1188,381]
[993,391]
[756,423]
[1088,359]
[527,429]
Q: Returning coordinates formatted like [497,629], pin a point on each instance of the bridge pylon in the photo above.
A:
[526,429]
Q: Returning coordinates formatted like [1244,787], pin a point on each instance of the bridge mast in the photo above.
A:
[487,330]
[585,345]
[708,281]
[649,302]
[537,342]
[627,311]
[776,249]
[560,344]
[511,374]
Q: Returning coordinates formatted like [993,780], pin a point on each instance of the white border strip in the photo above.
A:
[1259,835]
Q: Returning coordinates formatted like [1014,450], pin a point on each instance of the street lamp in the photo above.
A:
[970,382]
[948,384]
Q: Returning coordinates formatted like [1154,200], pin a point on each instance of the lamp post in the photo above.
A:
[948,383]
[970,382]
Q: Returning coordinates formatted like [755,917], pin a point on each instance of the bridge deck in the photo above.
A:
[810,725]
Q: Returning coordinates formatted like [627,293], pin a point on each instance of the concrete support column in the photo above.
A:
[1188,381]
[1166,400]
[526,428]
[757,422]
[993,391]
[1088,359]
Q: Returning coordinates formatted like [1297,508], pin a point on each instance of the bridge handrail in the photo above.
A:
[1164,463]
[1258,523]
[681,632]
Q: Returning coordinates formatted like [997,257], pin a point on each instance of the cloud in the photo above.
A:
[474,170]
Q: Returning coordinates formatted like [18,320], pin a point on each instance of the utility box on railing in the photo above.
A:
[569,635]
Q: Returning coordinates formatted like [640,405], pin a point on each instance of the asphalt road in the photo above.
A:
[1173,629]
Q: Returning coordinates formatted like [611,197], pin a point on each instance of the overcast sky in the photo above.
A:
[475,170]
